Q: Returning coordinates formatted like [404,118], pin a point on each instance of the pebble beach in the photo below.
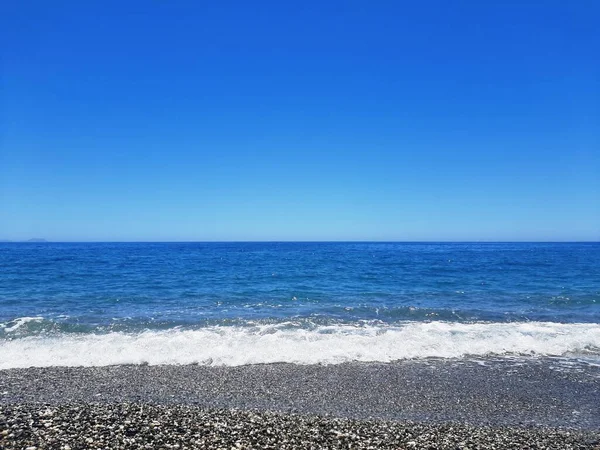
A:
[141,426]
[413,404]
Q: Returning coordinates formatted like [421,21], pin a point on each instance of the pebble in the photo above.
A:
[501,392]
[193,427]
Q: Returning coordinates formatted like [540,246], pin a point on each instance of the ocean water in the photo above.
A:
[73,304]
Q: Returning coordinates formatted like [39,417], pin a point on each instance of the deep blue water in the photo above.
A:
[83,286]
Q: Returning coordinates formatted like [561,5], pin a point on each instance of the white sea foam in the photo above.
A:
[15,324]
[232,346]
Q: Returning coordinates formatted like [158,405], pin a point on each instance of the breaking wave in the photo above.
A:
[326,344]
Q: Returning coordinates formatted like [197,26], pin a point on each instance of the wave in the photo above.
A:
[18,323]
[235,345]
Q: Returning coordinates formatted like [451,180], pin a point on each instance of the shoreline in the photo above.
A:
[500,391]
[414,404]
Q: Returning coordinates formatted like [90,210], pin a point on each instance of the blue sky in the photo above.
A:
[433,120]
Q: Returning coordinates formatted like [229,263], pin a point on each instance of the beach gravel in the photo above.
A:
[144,426]
[490,404]
[505,392]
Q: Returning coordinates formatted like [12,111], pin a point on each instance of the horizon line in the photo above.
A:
[482,241]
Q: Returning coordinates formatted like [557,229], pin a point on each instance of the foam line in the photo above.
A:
[232,346]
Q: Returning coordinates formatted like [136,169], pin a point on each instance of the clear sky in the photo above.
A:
[310,120]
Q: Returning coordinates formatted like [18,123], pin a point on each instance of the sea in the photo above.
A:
[229,304]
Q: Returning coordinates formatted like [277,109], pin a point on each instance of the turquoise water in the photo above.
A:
[399,295]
